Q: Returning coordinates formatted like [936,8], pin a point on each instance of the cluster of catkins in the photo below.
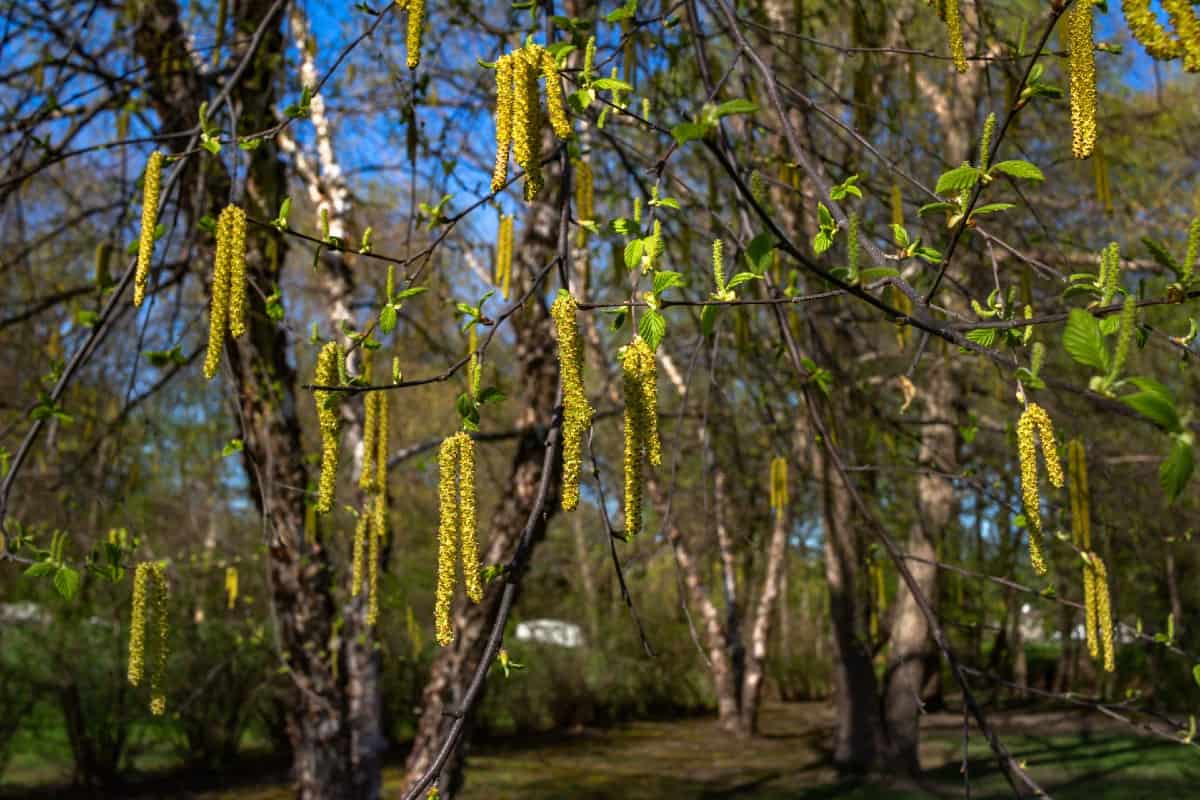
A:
[1181,41]
[227,309]
[372,523]
[1035,424]
[456,528]
[519,114]
[149,598]
[640,377]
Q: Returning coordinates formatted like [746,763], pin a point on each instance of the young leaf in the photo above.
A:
[1018,169]
[1083,342]
[66,581]
[652,327]
[740,106]
[1154,402]
[1177,468]
[957,179]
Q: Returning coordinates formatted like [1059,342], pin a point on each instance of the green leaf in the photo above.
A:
[957,179]
[985,337]
[66,581]
[633,254]
[624,12]
[652,327]
[740,106]
[666,279]
[40,569]
[489,395]
[938,206]
[1177,468]
[1154,402]
[740,278]
[411,291]
[824,217]
[900,235]
[234,446]
[1018,169]
[991,208]
[666,202]
[822,242]
[387,319]
[1083,341]
[686,132]
[1196,674]
[877,273]
[759,253]
[708,319]
[611,84]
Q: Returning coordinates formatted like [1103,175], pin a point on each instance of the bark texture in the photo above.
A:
[912,650]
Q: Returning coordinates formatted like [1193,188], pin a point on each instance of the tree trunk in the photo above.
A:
[538,373]
[858,734]
[298,566]
[911,645]
[716,642]
[760,635]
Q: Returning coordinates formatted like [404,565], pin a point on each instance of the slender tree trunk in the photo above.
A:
[760,636]
[911,645]
[538,373]
[716,642]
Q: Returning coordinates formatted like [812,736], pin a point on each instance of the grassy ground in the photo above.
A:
[1074,757]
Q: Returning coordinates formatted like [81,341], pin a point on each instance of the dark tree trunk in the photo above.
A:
[538,374]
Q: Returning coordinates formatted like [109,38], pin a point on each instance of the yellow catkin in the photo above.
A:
[416,19]
[897,205]
[555,108]
[527,123]
[1104,612]
[1091,620]
[1149,32]
[158,699]
[1081,523]
[954,33]
[236,253]
[1182,15]
[504,119]
[468,518]
[584,197]
[218,310]
[1081,44]
[137,624]
[1035,424]
[366,478]
[375,538]
[359,553]
[577,411]
[779,484]
[327,416]
[639,375]
[504,254]
[150,192]
[447,538]
[650,401]
[231,587]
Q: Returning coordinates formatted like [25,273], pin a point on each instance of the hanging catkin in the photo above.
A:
[577,411]
[150,192]
[779,484]
[149,599]
[954,33]
[640,380]
[1035,424]
[519,114]
[227,308]
[416,19]
[504,254]
[1081,43]
[456,525]
[326,374]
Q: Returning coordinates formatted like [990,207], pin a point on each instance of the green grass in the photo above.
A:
[1077,758]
